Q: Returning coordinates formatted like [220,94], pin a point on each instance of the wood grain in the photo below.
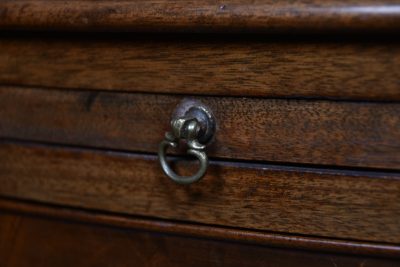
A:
[313,132]
[204,15]
[212,66]
[199,231]
[336,204]
[33,241]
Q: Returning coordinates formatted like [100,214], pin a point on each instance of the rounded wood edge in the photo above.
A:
[202,16]
[202,231]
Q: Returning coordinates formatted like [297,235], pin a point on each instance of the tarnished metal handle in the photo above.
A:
[201,155]
[196,126]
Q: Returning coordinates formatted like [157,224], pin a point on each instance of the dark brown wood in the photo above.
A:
[337,204]
[102,204]
[32,241]
[313,132]
[363,70]
[202,231]
[203,15]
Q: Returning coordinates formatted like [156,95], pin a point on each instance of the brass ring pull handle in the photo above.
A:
[196,126]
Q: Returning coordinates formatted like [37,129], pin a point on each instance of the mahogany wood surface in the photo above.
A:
[35,241]
[240,65]
[269,239]
[203,15]
[331,203]
[364,134]
[305,167]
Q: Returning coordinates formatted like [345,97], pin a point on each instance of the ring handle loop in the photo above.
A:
[201,156]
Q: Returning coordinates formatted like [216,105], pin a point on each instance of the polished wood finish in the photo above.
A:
[313,132]
[212,66]
[34,241]
[305,166]
[203,15]
[202,231]
[338,204]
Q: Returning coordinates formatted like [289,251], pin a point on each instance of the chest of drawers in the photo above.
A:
[303,166]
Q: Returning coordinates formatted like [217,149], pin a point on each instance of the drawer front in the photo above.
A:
[341,204]
[354,134]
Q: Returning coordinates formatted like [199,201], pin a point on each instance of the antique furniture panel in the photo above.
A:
[34,235]
[212,65]
[300,101]
[332,203]
[289,131]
